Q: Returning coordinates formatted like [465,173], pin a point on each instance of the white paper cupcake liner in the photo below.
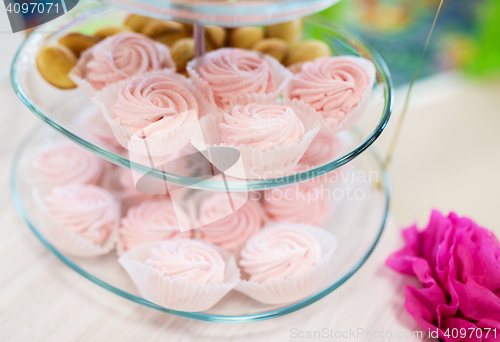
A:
[298,286]
[77,74]
[161,142]
[281,76]
[256,163]
[353,116]
[68,241]
[173,293]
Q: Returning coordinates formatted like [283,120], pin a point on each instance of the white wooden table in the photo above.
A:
[447,158]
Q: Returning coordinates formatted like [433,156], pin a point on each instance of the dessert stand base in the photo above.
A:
[357,218]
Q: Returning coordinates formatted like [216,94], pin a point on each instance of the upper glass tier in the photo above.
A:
[229,13]
[72,113]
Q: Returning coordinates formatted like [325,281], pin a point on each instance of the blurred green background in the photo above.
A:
[467,34]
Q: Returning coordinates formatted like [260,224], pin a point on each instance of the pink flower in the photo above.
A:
[458,264]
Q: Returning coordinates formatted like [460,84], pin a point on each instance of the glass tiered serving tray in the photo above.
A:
[357,222]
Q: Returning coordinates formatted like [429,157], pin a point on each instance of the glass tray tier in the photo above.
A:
[356,220]
[229,13]
[63,109]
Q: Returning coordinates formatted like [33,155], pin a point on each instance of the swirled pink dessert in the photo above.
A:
[302,203]
[150,221]
[323,149]
[234,72]
[122,56]
[66,163]
[189,260]
[85,209]
[279,253]
[333,86]
[151,103]
[225,228]
[261,126]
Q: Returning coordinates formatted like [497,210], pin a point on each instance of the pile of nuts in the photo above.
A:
[282,41]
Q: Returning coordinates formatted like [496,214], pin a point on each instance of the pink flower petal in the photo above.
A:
[402,260]
[421,304]
[492,335]
[476,301]
[458,264]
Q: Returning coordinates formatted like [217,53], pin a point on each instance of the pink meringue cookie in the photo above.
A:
[153,102]
[302,203]
[323,149]
[333,86]
[233,72]
[88,210]
[150,221]
[279,253]
[65,163]
[120,57]
[189,260]
[261,126]
[225,228]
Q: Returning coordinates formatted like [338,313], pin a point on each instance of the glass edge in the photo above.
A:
[252,185]
[193,315]
[287,10]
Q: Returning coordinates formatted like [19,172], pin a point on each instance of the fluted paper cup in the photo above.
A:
[172,293]
[299,286]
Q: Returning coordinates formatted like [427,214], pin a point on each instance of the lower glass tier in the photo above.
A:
[357,217]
